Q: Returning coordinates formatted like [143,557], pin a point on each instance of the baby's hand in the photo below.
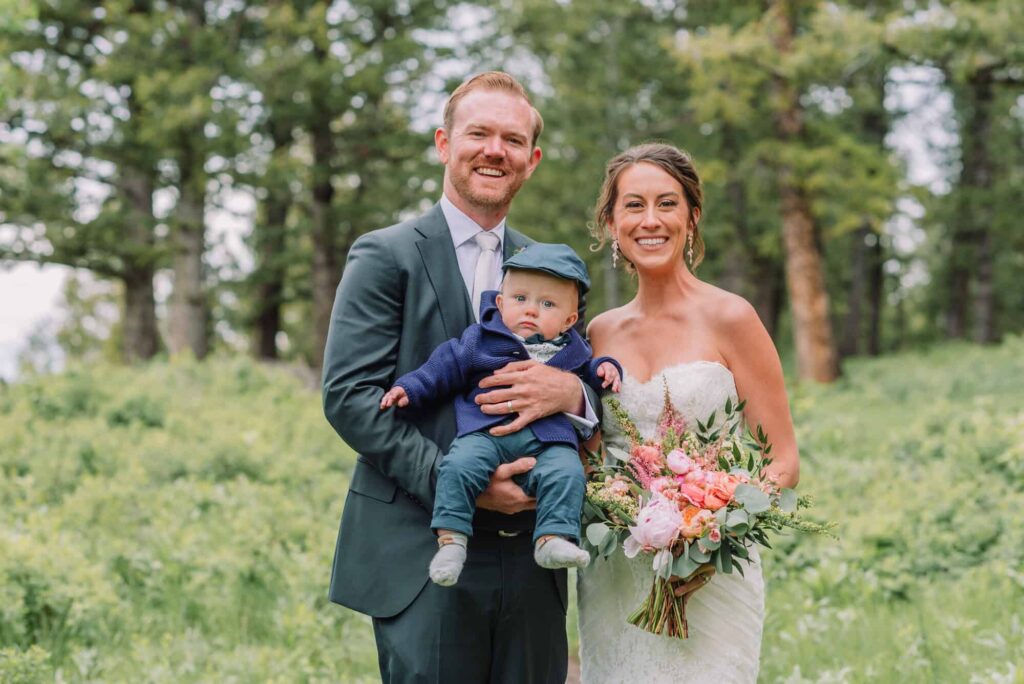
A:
[610,374]
[395,395]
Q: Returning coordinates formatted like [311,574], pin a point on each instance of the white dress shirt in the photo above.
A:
[462,229]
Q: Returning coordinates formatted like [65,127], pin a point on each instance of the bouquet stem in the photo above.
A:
[664,609]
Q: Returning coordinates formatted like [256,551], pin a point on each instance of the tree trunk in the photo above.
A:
[812,329]
[970,244]
[979,173]
[958,281]
[270,247]
[853,323]
[817,358]
[187,327]
[985,292]
[876,288]
[140,337]
[325,274]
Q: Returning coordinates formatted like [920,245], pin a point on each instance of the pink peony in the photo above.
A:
[679,463]
[657,527]
[659,485]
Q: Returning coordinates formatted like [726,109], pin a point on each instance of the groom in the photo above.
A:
[405,290]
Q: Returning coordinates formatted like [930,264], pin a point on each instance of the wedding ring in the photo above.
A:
[509,405]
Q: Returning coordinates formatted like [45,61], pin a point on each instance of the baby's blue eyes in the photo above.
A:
[547,303]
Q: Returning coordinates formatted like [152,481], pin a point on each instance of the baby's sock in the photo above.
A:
[449,559]
[559,552]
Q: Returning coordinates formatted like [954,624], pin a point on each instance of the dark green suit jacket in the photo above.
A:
[401,295]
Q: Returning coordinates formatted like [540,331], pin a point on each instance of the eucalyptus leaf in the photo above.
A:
[788,500]
[596,532]
[618,454]
[684,566]
[698,556]
[738,521]
[608,545]
[752,498]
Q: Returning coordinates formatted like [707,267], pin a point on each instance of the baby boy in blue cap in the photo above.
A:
[531,317]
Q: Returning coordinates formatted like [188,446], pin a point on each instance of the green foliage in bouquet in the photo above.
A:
[697,497]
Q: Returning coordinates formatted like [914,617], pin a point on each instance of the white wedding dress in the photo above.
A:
[725,617]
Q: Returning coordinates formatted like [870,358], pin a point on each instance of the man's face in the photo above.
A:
[488,153]
[533,302]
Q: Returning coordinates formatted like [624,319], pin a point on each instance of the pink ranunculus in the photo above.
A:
[618,487]
[695,520]
[659,485]
[715,534]
[697,477]
[692,493]
[657,527]
[679,463]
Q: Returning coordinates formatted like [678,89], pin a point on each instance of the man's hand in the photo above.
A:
[531,389]
[395,395]
[505,496]
[610,374]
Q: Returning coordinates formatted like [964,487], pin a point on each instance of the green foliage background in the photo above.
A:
[175,523]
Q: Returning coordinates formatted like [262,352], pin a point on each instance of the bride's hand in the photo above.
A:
[532,390]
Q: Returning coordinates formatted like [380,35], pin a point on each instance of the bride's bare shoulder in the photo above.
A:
[604,323]
[728,310]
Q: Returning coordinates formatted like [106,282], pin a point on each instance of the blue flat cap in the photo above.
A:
[554,259]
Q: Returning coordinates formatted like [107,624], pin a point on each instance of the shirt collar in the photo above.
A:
[464,228]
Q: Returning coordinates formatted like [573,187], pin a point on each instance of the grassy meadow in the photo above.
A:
[175,523]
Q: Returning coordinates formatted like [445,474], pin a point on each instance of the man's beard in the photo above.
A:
[489,201]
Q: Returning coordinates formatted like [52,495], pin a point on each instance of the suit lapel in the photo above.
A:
[514,241]
[442,267]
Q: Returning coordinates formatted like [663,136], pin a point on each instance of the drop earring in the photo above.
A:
[615,252]
[689,247]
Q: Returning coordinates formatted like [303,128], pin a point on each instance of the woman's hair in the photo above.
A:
[669,159]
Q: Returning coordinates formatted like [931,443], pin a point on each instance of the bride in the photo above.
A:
[705,345]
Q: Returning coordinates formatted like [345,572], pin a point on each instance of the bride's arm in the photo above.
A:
[755,364]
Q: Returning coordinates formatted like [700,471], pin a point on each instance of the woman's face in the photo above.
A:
[650,218]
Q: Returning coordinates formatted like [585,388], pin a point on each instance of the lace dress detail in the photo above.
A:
[725,617]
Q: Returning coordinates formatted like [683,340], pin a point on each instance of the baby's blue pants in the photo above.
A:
[557,481]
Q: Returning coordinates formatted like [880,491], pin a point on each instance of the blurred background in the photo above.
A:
[180,183]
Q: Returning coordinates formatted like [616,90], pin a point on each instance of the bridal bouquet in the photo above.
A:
[694,499]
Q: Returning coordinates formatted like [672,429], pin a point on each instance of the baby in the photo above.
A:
[531,317]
